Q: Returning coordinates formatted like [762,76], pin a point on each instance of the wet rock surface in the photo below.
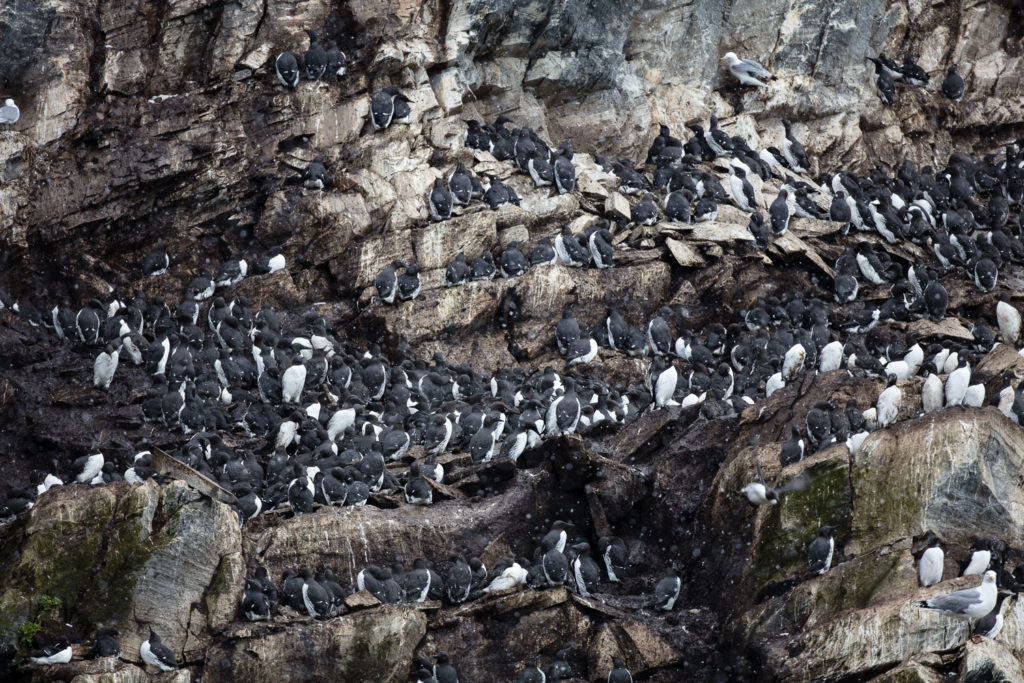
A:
[164,124]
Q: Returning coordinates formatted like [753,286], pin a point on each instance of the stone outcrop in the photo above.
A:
[146,123]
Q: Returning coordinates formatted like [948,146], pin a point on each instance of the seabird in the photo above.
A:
[387,282]
[793,151]
[457,272]
[741,189]
[980,559]
[666,592]
[952,84]
[155,263]
[778,212]
[105,366]
[883,82]
[155,653]
[747,71]
[460,185]
[336,60]
[106,644]
[932,394]
[9,113]
[287,66]
[440,202]
[383,108]
[619,672]
[819,553]
[315,175]
[444,672]
[888,406]
[565,174]
[57,653]
[793,450]
[970,603]
[991,624]
[929,567]
[912,73]
[315,58]
[759,493]
[409,284]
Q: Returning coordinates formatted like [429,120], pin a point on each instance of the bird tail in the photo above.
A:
[923,604]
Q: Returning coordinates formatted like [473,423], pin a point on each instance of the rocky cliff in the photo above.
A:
[163,123]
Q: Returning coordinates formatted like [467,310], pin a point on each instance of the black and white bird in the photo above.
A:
[105,365]
[231,272]
[457,272]
[819,553]
[794,449]
[912,72]
[887,408]
[383,108]
[387,282]
[155,263]
[619,672]
[991,624]
[741,190]
[646,211]
[969,603]
[666,592]
[793,151]
[460,185]
[929,567]
[315,176]
[747,71]
[883,82]
[287,66]
[155,653]
[444,672]
[57,653]
[779,212]
[336,60]
[315,59]
[616,557]
[565,174]
[440,202]
[759,493]
[953,84]
[106,644]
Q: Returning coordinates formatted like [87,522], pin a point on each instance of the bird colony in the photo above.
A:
[297,420]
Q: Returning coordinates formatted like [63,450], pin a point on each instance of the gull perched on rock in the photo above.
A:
[9,113]
[747,71]
[970,603]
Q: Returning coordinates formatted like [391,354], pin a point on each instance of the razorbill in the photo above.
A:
[57,653]
[155,653]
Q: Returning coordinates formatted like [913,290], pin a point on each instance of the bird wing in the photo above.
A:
[957,602]
[797,483]
[752,67]
[760,477]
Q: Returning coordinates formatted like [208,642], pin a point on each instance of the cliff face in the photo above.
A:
[146,123]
